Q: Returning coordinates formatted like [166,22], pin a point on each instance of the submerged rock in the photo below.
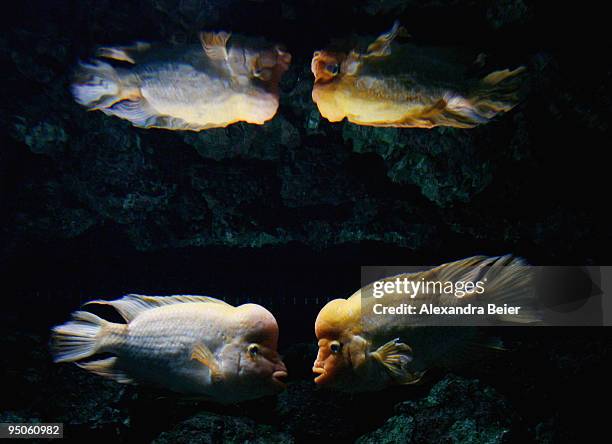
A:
[206,427]
[457,410]
[449,166]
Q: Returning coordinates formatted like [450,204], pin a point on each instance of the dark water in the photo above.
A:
[329,198]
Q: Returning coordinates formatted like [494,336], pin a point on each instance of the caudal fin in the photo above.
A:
[497,93]
[77,339]
[96,85]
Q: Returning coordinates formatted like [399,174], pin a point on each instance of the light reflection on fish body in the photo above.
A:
[224,80]
[193,345]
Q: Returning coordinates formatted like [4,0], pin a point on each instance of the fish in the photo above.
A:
[408,87]
[197,346]
[360,352]
[223,80]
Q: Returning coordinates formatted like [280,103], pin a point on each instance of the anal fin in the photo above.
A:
[107,368]
[137,111]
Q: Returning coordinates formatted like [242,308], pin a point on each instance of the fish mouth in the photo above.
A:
[278,378]
[320,371]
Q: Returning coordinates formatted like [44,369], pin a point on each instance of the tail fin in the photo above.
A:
[77,339]
[96,85]
[497,93]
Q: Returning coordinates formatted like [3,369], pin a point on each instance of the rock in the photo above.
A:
[315,414]
[457,410]
[315,175]
[449,166]
[398,429]
[84,402]
[245,141]
[501,13]
[209,428]
[42,137]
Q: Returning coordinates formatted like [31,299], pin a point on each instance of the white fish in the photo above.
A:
[193,345]
[224,80]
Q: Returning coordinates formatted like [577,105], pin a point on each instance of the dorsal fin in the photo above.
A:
[132,305]
[382,45]
[215,44]
[506,280]
[123,53]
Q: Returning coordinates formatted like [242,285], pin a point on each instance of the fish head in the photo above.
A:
[258,61]
[326,65]
[270,64]
[252,356]
[341,348]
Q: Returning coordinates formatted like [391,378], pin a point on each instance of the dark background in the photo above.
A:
[285,214]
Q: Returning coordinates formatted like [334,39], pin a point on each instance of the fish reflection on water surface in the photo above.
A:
[225,79]
[406,86]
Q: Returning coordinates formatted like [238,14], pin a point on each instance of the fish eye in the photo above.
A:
[335,347]
[332,68]
[253,349]
[263,74]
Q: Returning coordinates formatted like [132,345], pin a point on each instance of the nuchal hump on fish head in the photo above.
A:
[254,350]
[341,348]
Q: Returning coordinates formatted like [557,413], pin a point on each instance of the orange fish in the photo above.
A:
[224,80]
[361,349]
[401,86]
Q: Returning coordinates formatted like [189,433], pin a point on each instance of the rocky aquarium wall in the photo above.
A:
[286,214]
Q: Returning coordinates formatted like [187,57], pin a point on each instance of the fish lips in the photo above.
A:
[279,375]
[319,369]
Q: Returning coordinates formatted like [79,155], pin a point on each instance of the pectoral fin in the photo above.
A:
[215,44]
[382,45]
[203,355]
[395,357]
